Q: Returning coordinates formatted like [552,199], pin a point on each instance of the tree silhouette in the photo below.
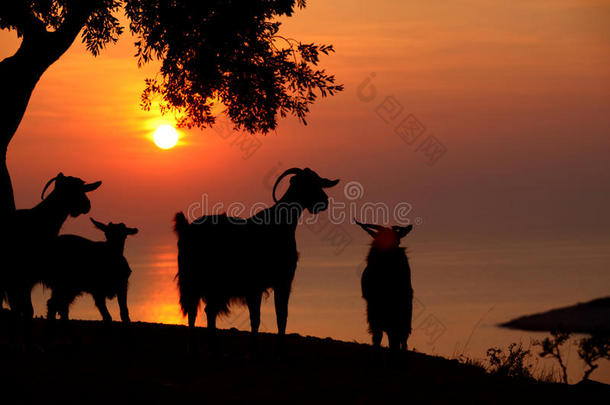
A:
[592,349]
[551,347]
[211,51]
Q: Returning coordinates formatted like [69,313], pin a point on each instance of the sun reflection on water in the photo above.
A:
[158,302]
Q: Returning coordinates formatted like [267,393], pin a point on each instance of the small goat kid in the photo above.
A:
[84,266]
[386,286]
[223,259]
[33,232]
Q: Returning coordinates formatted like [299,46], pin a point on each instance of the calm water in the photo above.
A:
[462,292]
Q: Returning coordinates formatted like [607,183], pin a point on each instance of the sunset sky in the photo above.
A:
[518,92]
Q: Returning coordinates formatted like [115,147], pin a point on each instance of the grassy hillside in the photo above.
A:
[155,368]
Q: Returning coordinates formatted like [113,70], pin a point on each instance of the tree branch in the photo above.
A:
[25,22]
[78,13]
[46,47]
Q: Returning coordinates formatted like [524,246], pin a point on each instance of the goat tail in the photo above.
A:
[189,301]
[188,297]
[180,224]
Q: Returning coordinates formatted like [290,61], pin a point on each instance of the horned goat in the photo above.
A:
[224,260]
[33,232]
[386,286]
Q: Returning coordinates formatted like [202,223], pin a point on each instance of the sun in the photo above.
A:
[165,137]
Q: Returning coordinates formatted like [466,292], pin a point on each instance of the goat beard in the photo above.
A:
[76,213]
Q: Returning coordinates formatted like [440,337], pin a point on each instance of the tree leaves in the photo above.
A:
[229,51]
[102,27]
[211,52]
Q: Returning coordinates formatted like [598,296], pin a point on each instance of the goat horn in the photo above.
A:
[366,227]
[373,226]
[294,170]
[47,186]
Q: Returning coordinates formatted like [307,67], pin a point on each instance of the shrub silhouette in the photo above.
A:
[512,363]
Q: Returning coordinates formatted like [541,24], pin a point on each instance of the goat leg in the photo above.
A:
[100,303]
[126,321]
[14,319]
[122,299]
[64,311]
[28,318]
[254,307]
[51,319]
[281,296]
[377,336]
[211,313]
[394,342]
[193,343]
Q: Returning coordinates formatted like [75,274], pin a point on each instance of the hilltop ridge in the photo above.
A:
[155,368]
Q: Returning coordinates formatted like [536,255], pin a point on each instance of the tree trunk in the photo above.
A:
[7,199]
[18,77]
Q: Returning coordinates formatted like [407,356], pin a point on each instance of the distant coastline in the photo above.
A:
[591,317]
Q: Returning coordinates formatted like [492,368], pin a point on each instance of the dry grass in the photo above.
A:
[155,368]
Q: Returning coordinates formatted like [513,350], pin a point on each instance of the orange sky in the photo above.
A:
[517,91]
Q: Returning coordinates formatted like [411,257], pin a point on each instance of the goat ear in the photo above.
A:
[99,225]
[404,230]
[326,183]
[92,186]
[131,231]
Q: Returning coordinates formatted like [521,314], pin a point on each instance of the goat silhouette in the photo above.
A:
[80,265]
[386,286]
[224,260]
[33,232]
